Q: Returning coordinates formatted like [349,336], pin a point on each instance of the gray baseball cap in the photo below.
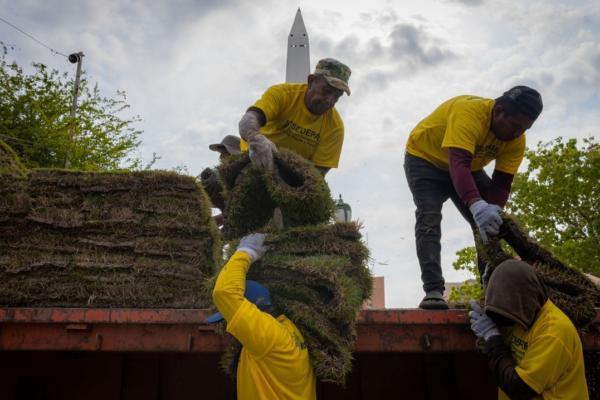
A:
[230,143]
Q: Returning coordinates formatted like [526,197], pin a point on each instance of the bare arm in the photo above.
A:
[250,124]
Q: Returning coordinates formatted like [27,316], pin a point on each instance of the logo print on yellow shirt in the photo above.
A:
[486,151]
[303,135]
[299,343]
[518,346]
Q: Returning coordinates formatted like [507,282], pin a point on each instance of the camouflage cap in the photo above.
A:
[335,73]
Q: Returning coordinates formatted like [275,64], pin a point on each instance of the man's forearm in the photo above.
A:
[250,125]
[503,368]
[460,171]
[500,191]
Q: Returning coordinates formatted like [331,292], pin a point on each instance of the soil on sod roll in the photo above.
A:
[252,194]
[568,288]
[319,287]
[122,239]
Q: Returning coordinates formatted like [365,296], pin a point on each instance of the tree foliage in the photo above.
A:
[557,200]
[466,261]
[35,119]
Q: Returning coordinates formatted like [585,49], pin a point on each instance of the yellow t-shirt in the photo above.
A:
[318,138]
[549,356]
[274,363]
[464,122]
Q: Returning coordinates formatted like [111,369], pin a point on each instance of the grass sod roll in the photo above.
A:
[106,239]
[568,288]
[319,288]
[300,190]
[252,194]
[248,206]
[10,165]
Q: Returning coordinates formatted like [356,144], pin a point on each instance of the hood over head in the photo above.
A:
[516,291]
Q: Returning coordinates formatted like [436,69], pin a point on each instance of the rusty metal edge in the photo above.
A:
[198,316]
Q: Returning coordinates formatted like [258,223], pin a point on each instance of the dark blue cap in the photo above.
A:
[527,100]
[255,293]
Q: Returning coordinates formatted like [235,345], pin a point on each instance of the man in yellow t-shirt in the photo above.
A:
[444,159]
[274,363]
[300,117]
[536,353]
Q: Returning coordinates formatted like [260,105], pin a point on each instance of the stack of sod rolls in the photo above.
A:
[568,288]
[113,239]
[318,278]
[252,194]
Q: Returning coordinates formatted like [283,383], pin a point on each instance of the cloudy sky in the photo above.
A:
[191,68]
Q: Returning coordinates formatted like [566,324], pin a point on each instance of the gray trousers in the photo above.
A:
[430,188]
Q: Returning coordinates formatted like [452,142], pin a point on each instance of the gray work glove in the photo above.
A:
[254,246]
[261,152]
[481,324]
[488,219]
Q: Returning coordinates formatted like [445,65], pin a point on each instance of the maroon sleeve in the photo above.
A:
[500,190]
[460,170]
[503,368]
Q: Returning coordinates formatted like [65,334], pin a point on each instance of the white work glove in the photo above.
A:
[488,219]
[261,152]
[481,324]
[254,246]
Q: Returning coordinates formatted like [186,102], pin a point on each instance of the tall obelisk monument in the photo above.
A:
[298,56]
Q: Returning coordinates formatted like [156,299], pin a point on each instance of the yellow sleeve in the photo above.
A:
[231,285]
[328,153]
[256,330]
[272,102]
[544,362]
[510,160]
[462,131]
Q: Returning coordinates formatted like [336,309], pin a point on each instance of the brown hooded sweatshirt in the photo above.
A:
[516,292]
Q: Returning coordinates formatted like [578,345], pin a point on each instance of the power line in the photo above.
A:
[25,33]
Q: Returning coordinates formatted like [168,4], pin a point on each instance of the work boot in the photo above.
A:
[434,301]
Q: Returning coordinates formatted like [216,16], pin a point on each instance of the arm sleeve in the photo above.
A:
[256,330]
[327,153]
[460,170]
[504,370]
[271,103]
[545,361]
[500,190]
[262,118]
[231,285]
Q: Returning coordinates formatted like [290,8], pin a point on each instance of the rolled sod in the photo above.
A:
[105,239]
[568,288]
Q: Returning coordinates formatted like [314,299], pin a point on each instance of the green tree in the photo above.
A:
[558,200]
[35,120]
[466,261]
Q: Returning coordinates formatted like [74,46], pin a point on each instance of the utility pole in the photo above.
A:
[74,58]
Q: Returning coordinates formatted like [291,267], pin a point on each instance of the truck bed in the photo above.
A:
[75,353]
